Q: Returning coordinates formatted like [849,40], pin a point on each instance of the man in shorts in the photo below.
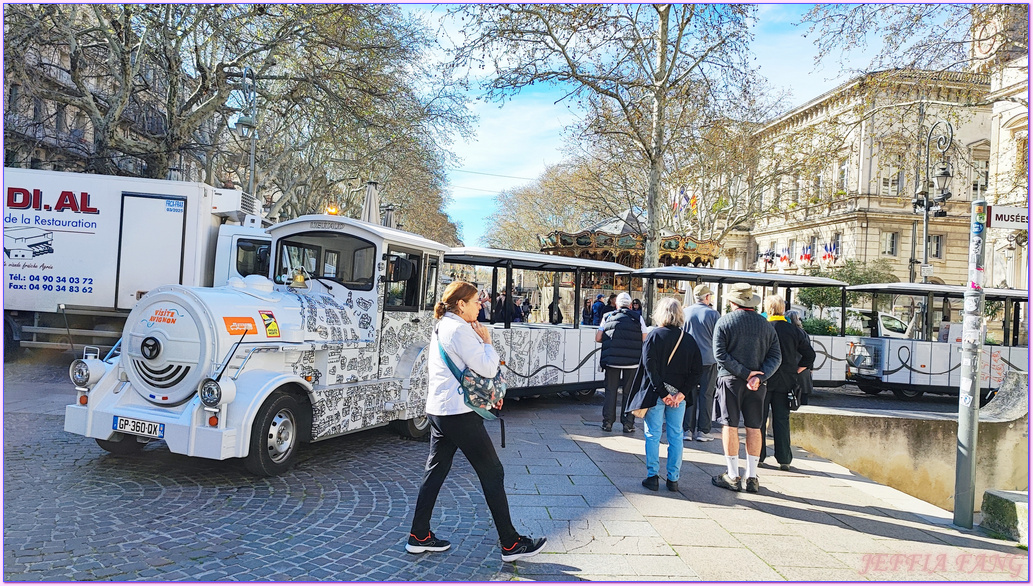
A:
[747,353]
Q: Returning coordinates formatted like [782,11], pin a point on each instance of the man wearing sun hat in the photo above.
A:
[747,353]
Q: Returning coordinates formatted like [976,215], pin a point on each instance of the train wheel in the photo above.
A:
[907,394]
[124,445]
[869,390]
[415,428]
[583,394]
[275,436]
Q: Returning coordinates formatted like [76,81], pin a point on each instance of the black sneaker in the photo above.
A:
[524,547]
[672,485]
[783,467]
[652,483]
[607,426]
[431,543]
[629,428]
[753,484]
[726,481]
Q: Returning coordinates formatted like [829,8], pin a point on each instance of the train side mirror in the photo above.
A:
[400,269]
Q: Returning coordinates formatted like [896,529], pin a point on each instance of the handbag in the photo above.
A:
[794,398]
[479,393]
[640,413]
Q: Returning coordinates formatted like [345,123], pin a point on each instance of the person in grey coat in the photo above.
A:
[747,352]
[700,319]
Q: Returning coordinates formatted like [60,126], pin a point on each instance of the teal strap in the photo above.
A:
[451,365]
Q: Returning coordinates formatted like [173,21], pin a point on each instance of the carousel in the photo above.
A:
[623,240]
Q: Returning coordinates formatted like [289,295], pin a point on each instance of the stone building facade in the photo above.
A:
[855,201]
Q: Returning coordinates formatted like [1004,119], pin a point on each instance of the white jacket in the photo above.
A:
[465,348]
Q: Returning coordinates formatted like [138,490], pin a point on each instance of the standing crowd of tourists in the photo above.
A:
[694,368]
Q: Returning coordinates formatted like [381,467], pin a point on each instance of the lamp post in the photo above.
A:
[247,124]
[944,134]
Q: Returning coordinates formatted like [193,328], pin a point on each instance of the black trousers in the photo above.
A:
[778,403]
[464,432]
[697,415]
[617,377]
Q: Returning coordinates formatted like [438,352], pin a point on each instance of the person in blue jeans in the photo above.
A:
[670,366]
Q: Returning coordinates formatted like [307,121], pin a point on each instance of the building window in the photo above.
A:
[844,171]
[37,110]
[936,246]
[792,250]
[1022,155]
[890,240]
[13,96]
[61,120]
[837,249]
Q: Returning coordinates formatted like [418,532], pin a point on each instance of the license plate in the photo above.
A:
[138,427]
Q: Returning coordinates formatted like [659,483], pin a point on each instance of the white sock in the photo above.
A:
[751,465]
[733,465]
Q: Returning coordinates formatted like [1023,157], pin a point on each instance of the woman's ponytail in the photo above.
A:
[439,309]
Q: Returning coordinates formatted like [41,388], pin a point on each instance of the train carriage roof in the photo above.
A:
[938,290]
[721,276]
[530,261]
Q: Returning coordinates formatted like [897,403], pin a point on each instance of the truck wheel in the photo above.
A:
[11,346]
[275,436]
[907,394]
[414,428]
[868,390]
[121,445]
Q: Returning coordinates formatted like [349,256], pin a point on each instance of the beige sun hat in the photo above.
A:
[742,295]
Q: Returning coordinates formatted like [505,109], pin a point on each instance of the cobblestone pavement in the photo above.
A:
[74,512]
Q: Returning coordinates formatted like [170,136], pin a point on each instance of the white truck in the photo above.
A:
[80,250]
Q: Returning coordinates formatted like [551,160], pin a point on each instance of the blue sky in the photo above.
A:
[515,142]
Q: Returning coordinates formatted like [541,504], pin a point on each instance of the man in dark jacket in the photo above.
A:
[797,356]
[747,353]
[598,309]
[700,318]
[621,335]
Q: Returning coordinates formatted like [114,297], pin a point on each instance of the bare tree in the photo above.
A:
[635,58]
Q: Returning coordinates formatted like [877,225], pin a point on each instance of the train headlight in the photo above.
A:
[214,393]
[86,373]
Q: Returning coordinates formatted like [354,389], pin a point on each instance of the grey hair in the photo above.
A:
[794,317]
[668,313]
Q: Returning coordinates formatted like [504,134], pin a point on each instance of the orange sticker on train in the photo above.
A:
[238,326]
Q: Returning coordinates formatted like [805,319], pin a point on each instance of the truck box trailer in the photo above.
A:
[80,249]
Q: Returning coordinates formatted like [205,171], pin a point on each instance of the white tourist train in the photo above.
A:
[331,342]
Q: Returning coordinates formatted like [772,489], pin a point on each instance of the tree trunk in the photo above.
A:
[656,159]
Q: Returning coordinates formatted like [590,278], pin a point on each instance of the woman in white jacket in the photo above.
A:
[456,426]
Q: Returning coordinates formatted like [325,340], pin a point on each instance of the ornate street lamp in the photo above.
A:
[944,134]
[247,123]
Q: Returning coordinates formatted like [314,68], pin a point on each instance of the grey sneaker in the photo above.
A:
[701,437]
[753,484]
[726,481]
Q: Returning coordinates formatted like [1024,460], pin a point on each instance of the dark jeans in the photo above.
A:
[779,405]
[697,416]
[465,432]
[617,377]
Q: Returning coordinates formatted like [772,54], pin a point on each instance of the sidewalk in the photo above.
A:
[580,486]
[567,480]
